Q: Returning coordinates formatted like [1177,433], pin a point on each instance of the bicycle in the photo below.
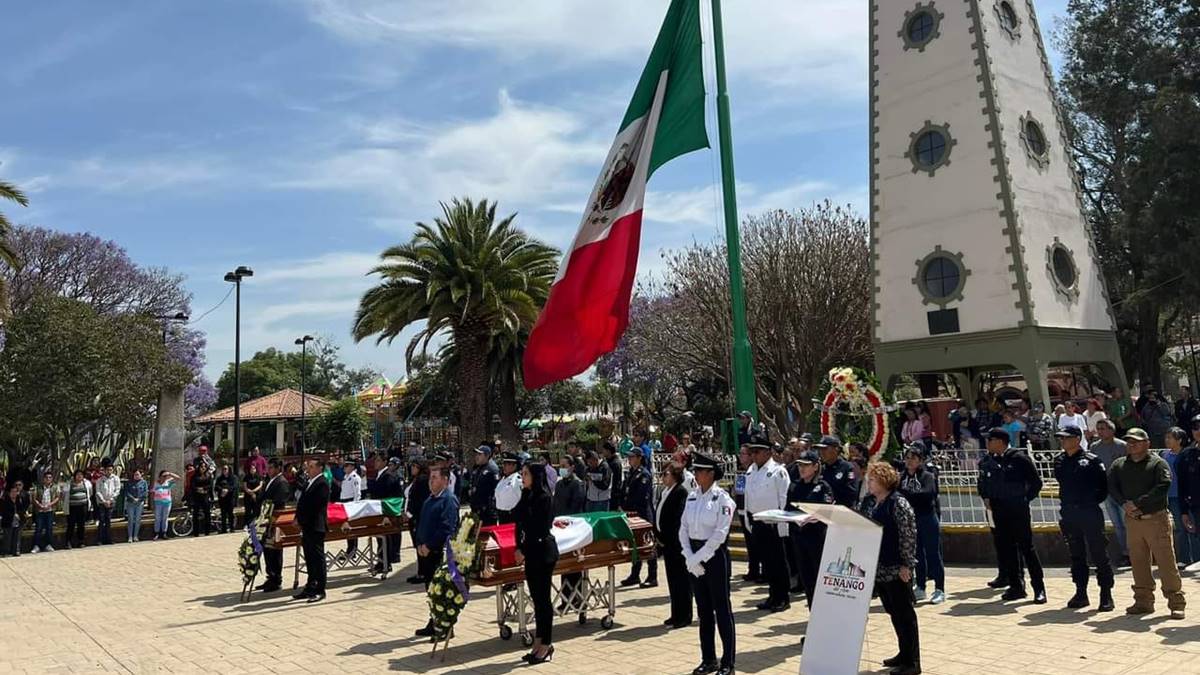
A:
[181,525]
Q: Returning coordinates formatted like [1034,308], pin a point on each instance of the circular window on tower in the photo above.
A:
[1060,262]
[1033,137]
[941,277]
[929,147]
[921,26]
[1010,22]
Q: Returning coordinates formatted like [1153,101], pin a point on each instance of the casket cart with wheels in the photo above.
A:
[595,592]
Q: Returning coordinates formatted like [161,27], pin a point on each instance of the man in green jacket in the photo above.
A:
[1139,482]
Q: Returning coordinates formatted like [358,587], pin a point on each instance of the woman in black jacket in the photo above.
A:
[538,550]
[414,498]
[667,515]
[14,511]
[897,557]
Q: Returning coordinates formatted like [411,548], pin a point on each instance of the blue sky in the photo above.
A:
[301,137]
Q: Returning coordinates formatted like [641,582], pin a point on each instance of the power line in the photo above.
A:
[215,307]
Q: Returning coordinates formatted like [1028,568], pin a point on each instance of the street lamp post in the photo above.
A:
[235,277]
[180,317]
[303,342]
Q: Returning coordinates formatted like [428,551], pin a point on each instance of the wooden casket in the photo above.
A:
[285,532]
[497,568]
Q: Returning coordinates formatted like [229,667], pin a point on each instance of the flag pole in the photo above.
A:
[743,362]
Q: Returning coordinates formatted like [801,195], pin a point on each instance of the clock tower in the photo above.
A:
[981,254]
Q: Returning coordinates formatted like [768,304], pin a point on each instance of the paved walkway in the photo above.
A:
[173,607]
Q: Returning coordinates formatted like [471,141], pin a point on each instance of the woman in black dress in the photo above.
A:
[897,558]
[538,550]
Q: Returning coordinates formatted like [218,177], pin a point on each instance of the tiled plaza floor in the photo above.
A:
[173,607]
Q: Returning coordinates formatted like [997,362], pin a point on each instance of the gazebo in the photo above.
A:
[281,407]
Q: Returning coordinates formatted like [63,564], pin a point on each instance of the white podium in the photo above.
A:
[845,583]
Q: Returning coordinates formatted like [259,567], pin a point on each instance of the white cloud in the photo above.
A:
[820,47]
[349,266]
[523,154]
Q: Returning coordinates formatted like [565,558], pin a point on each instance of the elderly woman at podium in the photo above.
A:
[897,558]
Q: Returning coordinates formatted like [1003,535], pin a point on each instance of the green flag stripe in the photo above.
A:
[678,50]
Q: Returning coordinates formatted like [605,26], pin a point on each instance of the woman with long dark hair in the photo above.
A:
[415,495]
[897,558]
[538,550]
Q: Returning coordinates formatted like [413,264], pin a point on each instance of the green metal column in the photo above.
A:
[743,362]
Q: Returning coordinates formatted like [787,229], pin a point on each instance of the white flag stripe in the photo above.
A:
[642,132]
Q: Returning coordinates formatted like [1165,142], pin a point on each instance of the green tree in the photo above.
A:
[270,370]
[71,378]
[340,427]
[1129,86]
[8,255]
[468,277]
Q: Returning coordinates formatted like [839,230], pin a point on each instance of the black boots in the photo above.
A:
[1106,600]
[1080,599]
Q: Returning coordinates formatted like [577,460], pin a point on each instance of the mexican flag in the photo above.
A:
[588,308]
[340,512]
[572,533]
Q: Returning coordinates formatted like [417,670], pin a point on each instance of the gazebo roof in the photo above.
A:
[282,405]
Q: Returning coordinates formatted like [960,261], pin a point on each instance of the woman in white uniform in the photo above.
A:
[703,532]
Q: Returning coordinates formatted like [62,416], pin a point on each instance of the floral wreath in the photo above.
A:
[448,590]
[855,393]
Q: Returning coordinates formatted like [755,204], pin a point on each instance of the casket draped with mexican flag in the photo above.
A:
[345,520]
[585,541]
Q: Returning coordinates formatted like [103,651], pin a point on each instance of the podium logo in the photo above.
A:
[843,577]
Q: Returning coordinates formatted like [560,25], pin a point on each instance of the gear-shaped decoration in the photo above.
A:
[922,25]
[929,147]
[1033,138]
[1010,21]
[1064,273]
[943,296]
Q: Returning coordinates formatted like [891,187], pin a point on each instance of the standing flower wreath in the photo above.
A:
[448,593]
[855,396]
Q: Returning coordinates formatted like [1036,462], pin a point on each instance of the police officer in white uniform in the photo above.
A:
[508,490]
[703,532]
[766,489]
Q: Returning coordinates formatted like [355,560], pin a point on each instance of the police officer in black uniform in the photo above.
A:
[704,532]
[639,499]
[837,472]
[484,477]
[808,539]
[1083,487]
[1187,473]
[1008,486]
[987,464]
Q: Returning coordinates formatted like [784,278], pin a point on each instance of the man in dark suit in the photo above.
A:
[667,516]
[311,516]
[276,493]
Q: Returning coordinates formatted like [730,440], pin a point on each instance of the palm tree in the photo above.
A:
[466,276]
[8,256]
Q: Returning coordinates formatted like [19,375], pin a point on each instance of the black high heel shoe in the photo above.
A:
[534,660]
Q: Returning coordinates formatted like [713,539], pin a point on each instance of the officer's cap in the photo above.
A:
[1072,432]
[509,457]
[808,457]
[1136,434]
[746,413]
[484,450]
[395,460]
[914,450]
[806,437]
[701,461]
[1000,435]
[758,442]
[828,442]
